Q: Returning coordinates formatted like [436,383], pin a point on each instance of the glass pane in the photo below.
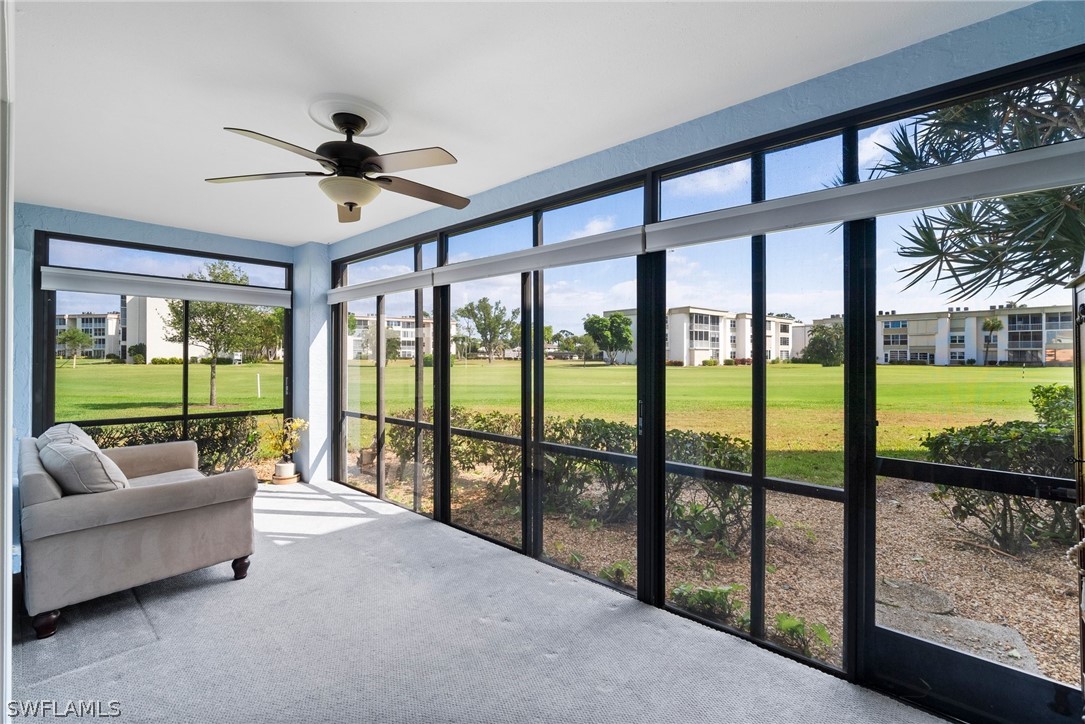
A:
[485,396]
[805,402]
[399,463]
[709,423]
[361,350]
[589,506]
[497,239]
[709,537]
[401,337]
[807,167]
[595,216]
[106,257]
[804,575]
[380,267]
[105,346]
[718,187]
[429,255]
[1036,114]
[976,370]
[228,347]
[958,358]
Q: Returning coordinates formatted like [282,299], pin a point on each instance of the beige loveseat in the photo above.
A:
[96,522]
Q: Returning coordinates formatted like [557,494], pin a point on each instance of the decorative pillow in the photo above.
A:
[65,432]
[81,469]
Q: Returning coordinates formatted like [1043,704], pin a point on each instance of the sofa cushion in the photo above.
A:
[78,468]
[172,476]
[65,432]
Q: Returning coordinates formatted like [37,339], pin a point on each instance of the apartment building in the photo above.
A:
[698,334]
[143,321]
[1010,333]
[362,343]
[101,327]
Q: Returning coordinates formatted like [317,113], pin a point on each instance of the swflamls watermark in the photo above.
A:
[79,708]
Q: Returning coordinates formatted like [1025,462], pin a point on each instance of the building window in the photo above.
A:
[956,356]
[1026,322]
[785,341]
[785,328]
[732,323]
[895,340]
[956,339]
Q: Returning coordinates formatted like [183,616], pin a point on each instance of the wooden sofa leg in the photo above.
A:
[45,624]
[241,568]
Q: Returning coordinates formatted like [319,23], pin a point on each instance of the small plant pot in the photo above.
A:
[285,473]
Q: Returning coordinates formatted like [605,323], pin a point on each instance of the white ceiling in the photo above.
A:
[119,108]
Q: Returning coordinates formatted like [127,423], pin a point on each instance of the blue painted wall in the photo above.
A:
[1010,38]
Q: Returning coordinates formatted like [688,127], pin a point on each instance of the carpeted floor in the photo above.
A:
[356,611]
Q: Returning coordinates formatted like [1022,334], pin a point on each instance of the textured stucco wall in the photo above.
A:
[312,350]
[1013,37]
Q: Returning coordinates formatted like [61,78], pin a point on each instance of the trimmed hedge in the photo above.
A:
[1013,523]
[224,443]
[587,488]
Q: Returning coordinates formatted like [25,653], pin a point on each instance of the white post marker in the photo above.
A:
[258,395]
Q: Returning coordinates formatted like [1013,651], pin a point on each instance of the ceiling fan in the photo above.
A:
[348,178]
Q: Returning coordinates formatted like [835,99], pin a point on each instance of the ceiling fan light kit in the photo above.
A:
[349,191]
[349,166]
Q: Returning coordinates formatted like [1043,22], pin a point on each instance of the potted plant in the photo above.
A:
[287,439]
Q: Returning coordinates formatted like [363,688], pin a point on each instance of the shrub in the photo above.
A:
[116,361]
[675,363]
[617,573]
[970,361]
[138,359]
[137,349]
[808,639]
[224,443]
[710,363]
[1014,523]
[709,509]
[718,603]
[220,360]
[112,356]
[728,363]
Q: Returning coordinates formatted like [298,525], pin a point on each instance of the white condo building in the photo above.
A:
[362,342]
[102,329]
[1016,334]
[697,334]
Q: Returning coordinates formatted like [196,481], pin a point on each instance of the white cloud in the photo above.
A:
[711,182]
[594,225]
[870,151]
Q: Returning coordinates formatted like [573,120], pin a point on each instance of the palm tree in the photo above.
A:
[1035,239]
[990,326]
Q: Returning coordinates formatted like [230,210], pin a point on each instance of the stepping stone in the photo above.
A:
[913,596]
[986,640]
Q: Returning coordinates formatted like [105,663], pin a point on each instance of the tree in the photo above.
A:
[391,347]
[352,323]
[492,321]
[825,346]
[138,349]
[585,347]
[990,326]
[266,334]
[218,327]
[613,333]
[75,341]
[1035,239]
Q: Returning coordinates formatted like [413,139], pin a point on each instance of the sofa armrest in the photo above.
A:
[140,460]
[80,512]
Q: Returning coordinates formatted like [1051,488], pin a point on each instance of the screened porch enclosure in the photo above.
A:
[679,385]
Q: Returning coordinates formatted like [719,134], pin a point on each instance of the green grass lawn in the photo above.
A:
[98,390]
[805,416]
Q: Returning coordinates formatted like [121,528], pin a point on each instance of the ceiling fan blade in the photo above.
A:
[421,191]
[282,144]
[262,176]
[348,215]
[407,160]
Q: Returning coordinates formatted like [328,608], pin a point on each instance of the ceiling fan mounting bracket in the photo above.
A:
[349,123]
[324,110]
